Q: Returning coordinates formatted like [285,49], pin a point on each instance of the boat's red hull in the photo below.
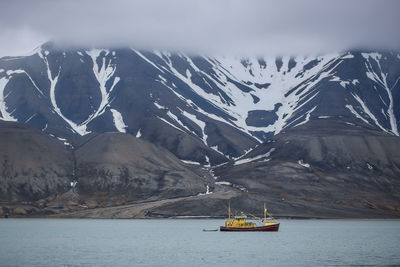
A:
[268,228]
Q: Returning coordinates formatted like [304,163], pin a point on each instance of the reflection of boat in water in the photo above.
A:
[239,223]
[210,230]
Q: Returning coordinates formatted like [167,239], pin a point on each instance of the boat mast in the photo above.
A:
[265,213]
[229,210]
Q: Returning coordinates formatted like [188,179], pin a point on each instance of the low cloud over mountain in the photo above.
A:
[253,27]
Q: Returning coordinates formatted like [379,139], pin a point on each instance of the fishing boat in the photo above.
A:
[240,223]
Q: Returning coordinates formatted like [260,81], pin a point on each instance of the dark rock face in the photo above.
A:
[259,118]
[33,165]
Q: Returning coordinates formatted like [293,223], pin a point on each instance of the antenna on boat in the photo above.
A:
[229,210]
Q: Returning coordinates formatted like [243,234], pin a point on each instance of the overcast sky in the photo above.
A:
[202,26]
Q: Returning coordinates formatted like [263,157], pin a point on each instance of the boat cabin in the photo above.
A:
[239,221]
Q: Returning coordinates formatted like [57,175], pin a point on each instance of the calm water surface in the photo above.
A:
[88,242]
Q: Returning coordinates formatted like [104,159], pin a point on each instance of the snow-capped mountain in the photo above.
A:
[203,109]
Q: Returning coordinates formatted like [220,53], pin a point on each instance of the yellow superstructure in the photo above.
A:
[240,222]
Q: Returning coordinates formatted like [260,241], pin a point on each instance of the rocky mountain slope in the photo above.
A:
[314,135]
[41,174]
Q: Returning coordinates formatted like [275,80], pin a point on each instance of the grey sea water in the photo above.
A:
[92,242]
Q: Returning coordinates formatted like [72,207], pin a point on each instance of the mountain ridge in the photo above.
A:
[253,98]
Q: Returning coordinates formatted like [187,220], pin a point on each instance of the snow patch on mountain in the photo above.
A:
[190,162]
[80,129]
[139,134]
[247,160]
[147,60]
[308,114]
[337,79]
[31,117]
[216,149]
[118,121]
[103,74]
[368,112]
[159,106]
[5,115]
[201,124]
[11,72]
[302,163]
[352,110]
[167,122]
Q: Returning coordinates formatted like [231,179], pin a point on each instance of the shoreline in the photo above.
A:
[201,217]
